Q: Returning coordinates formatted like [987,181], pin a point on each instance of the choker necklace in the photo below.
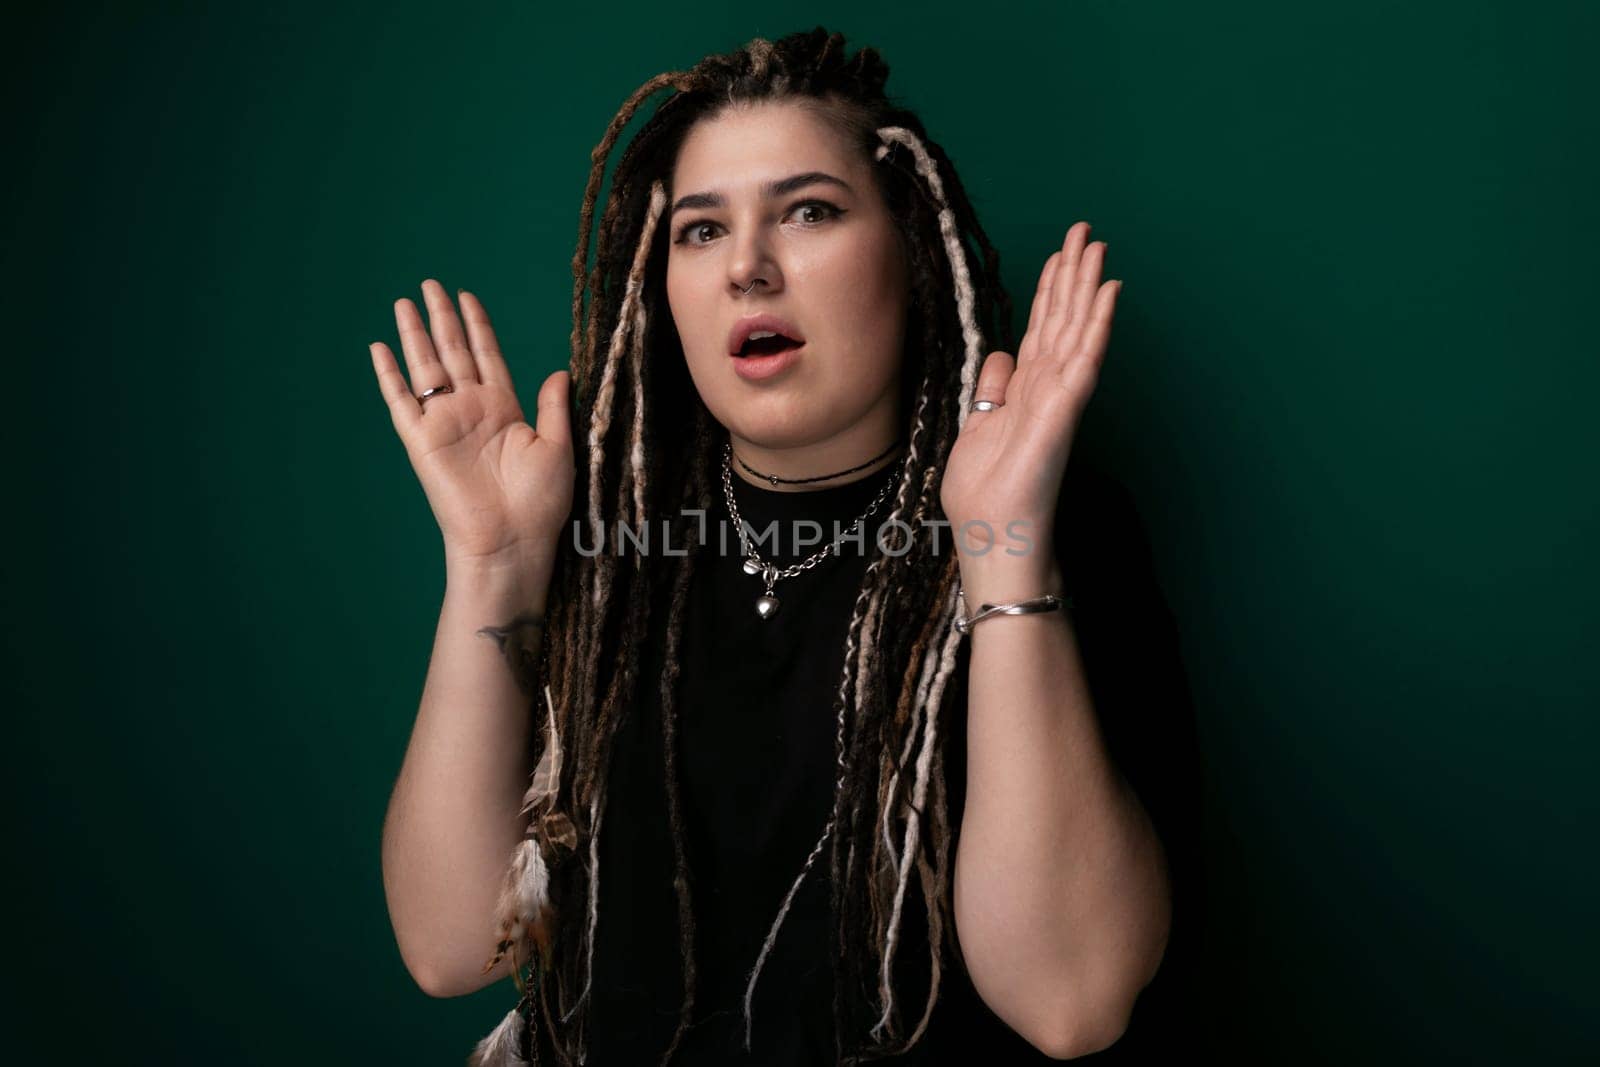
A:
[775,480]
[771,574]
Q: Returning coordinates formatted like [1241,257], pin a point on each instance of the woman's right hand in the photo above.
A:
[500,489]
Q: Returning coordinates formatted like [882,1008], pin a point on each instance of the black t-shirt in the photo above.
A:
[756,762]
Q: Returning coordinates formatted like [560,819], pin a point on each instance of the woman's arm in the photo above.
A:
[1062,894]
[453,818]
[501,490]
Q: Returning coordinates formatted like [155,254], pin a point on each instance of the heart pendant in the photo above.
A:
[766,606]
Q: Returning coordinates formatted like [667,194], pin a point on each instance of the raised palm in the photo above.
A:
[1007,462]
[500,489]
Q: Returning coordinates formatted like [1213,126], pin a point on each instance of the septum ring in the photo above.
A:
[987,405]
[753,285]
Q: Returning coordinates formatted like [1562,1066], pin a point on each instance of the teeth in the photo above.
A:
[759,334]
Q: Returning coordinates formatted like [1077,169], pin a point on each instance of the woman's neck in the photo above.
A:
[831,457]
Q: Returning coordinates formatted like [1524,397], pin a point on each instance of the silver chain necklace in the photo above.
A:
[770,573]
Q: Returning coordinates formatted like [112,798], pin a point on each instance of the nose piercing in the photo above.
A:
[753,285]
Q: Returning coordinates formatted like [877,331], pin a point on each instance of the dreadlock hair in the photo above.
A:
[890,821]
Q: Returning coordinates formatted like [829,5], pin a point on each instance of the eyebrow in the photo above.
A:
[771,190]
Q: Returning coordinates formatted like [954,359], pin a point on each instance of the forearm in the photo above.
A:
[453,817]
[1061,894]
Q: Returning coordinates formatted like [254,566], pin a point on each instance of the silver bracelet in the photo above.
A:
[1033,606]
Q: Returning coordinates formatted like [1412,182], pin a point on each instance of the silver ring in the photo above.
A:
[435,391]
[753,285]
[987,405]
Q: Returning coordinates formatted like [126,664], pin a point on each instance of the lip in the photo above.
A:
[751,323]
[758,368]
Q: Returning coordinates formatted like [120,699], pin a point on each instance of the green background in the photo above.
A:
[1351,387]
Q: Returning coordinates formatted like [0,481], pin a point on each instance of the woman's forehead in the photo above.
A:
[749,145]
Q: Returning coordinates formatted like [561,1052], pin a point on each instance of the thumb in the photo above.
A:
[993,378]
[554,417]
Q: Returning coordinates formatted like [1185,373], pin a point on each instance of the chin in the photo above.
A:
[799,431]
[775,430]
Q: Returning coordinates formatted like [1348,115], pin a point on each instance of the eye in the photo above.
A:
[682,236]
[818,205]
[690,233]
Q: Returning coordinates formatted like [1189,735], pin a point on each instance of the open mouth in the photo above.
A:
[763,343]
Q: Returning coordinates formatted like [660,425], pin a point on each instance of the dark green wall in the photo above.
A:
[1352,386]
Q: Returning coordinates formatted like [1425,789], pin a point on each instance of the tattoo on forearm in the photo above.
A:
[519,642]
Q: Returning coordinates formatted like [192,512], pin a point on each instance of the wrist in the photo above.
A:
[998,581]
[505,583]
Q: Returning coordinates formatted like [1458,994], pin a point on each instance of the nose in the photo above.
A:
[751,269]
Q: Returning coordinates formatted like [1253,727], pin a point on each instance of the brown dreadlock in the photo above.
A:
[890,818]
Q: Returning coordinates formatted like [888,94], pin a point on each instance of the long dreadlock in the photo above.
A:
[890,820]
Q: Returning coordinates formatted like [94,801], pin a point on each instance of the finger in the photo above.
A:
[1041,306]
[1061,296]
[1083,296]
[448,339]
[421,360]
[402,403]
[492,367]
[992,381]
[1084,367]
[554,420]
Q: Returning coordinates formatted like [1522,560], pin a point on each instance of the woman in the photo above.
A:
[819,844]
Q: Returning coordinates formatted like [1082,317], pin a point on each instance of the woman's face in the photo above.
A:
[833,271]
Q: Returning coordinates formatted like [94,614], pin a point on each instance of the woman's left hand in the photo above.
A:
[1007,463]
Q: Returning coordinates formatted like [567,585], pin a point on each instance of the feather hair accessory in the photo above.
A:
[525,909]
[503,1046]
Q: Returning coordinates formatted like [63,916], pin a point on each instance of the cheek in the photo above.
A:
[694,317]
[684,300]
[677,295]
[862,297]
